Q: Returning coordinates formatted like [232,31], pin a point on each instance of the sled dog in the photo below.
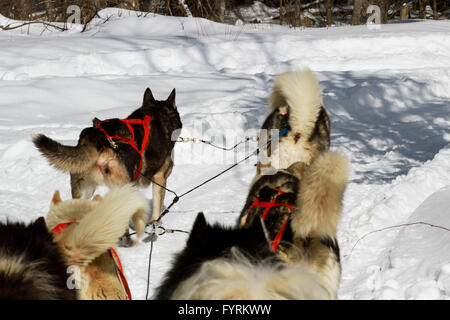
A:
[252,260]
[87,233]
[115,152]
[31,264]
[302,122]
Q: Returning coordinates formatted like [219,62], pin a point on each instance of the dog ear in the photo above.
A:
[200,223]
[96,121]
[148,97]
[198,228]
[171,98]
[197,231]
[40,226]
[56,199]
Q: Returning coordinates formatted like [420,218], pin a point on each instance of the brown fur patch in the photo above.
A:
[103,280]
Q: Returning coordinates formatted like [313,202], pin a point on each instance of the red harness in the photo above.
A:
[128,122]
[112,253]
[267,206]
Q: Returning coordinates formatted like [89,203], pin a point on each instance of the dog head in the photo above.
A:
[150,101]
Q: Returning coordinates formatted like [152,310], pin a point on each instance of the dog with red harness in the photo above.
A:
[284,245]
[115,152]
[87,233]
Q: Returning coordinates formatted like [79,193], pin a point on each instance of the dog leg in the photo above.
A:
[324,261]
[158,195]
[158,192]
[82,188]
[126,240]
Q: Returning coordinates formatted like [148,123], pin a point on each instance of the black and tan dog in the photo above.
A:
[284,245]
[301,120]
[115,152]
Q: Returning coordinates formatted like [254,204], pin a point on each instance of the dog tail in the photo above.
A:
[75,159]
[319,203]
[299,91]
[102,228]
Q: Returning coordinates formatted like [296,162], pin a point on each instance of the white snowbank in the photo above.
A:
[397,258]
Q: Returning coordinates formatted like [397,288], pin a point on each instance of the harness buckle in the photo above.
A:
[112,143]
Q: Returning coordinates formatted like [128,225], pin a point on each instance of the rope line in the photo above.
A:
[177,197]
[153,236]
[198,140]
[149,266]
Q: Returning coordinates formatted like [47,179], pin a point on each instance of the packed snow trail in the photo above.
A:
[387,93]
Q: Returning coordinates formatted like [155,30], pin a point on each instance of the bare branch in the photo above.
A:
[46,24]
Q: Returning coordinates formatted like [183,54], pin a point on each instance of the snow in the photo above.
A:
[387,92]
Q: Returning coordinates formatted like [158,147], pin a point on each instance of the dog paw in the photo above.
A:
[127,242]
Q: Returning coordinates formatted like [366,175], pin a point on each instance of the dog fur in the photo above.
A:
[98,225]
[296,101]
[237,262]
[265,187]
[96,161]
[315,218]
[31,264]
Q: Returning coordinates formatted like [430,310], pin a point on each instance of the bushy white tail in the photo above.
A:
[319,203]
[300,91]
[102,227]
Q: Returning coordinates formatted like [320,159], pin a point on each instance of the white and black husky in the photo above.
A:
[253,260]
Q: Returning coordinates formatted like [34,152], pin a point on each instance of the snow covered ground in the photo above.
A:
[387,92]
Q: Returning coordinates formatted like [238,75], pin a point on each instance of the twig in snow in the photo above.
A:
[397,226]
[46,24]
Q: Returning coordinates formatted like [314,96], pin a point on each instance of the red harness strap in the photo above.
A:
[116,258]
[267,206]
[128,122]
[112,253]
[60,227]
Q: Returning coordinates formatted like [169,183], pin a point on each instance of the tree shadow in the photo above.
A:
[387,123]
